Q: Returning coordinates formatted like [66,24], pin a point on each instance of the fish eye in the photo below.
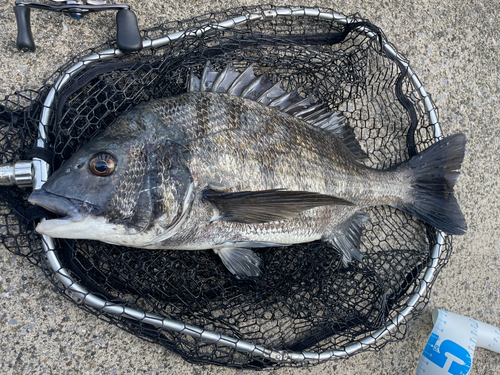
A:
[102,164]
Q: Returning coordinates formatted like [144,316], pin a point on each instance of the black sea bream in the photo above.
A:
[237,163]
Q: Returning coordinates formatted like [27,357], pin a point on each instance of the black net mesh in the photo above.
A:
[306,300]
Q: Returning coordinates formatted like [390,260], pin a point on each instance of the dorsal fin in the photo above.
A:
[225,79]
[262,90]
[208,78]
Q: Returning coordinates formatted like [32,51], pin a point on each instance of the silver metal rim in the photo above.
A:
[41,174]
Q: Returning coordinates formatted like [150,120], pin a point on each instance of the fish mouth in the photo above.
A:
[69,208]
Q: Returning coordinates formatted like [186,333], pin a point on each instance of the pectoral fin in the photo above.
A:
[266,205]
[347,239]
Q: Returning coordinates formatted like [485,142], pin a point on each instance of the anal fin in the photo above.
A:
[347,239]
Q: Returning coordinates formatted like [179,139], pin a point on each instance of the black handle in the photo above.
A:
[128,37]
[24,36]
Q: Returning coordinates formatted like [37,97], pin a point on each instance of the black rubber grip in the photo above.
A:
[128,37]
[24,36]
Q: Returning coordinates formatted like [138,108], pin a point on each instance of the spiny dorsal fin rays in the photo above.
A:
[321,114]
[262,90]
[193,83]
[285,100]
[225,79]
[258,86]
[294,109]
[241,82]
[208,78]
[308,111]
[273,92]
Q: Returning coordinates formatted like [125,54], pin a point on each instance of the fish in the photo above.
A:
[237,163]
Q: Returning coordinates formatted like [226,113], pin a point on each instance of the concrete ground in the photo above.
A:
[454,48]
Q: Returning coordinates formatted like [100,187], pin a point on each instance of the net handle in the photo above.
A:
[42,172]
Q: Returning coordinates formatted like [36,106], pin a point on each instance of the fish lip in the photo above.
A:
[71,208]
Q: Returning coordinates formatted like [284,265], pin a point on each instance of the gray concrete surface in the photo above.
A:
[454,48]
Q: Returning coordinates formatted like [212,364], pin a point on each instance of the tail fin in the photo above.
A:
[433,174]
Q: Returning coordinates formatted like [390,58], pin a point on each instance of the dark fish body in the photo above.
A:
[210,170]
[235,144]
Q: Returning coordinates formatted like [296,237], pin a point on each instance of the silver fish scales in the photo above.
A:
[238,163]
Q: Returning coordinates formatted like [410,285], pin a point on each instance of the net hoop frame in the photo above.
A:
[41,171]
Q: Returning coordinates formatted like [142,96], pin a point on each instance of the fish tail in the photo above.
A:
[433,174]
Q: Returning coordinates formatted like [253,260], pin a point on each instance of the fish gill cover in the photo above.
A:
[306,300]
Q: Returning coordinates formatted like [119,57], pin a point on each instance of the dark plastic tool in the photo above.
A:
[128,37]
